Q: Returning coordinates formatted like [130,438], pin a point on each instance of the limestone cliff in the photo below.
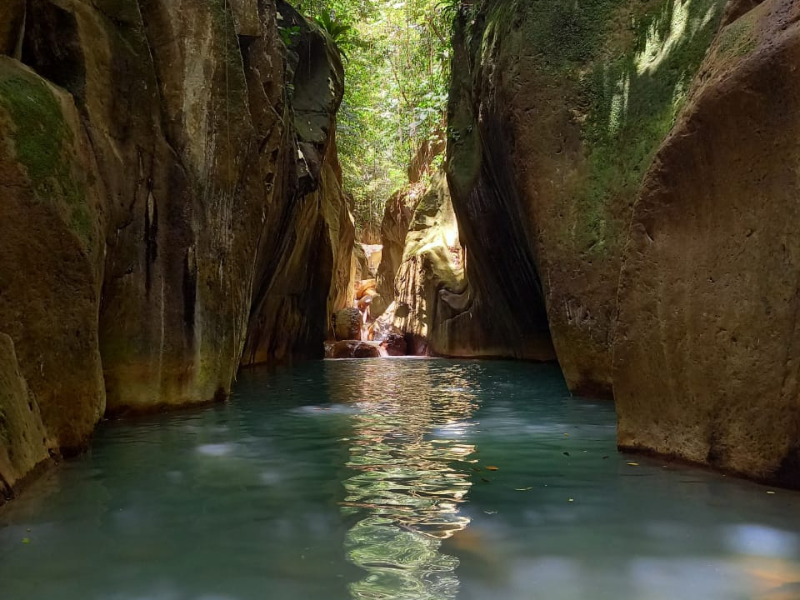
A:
[556,111]
[170,195]
[631,168]
[705,353]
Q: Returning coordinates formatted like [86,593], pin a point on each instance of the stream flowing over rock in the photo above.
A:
[172,206]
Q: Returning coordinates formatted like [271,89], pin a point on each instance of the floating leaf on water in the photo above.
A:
[771,492]
[523,489]
[491,468]
[26,540]
[633,464]
[572,499]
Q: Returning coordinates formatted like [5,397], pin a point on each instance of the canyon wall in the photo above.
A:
[631,169]
[556,111]
[706,346]
[171,203]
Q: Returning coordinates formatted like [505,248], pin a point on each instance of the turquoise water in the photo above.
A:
[392,480]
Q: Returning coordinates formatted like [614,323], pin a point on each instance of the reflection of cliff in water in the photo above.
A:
[411,476]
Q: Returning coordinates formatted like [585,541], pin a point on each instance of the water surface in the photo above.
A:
[392,480]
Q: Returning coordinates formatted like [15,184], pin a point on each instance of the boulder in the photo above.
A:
[364,287]
[353,349]
[706,348]
[395,345]
[347,324]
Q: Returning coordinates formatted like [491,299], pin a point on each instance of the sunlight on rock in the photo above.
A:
[658,46]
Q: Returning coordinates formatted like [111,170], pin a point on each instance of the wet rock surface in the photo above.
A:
[353,349]
[25,442]
[172,200]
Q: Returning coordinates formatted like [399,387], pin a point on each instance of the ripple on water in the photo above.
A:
[392,480]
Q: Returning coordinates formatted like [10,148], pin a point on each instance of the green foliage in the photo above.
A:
[396,80]
[288,33]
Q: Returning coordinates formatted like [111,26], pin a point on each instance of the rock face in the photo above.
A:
[23,442]
[347,324]
[556,111]
[431,263]
[51,252]
[172,201]
[397,216]
[706,360]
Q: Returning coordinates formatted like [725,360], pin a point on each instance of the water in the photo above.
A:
[392,480]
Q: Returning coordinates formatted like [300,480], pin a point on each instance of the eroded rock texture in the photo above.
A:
[51,251]
[556,111]
[23,442]
[428,286]
[170,198]
[706,347]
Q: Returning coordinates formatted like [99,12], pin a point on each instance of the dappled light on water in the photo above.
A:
[412,473]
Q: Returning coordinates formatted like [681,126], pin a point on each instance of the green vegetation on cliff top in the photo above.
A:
[397,70]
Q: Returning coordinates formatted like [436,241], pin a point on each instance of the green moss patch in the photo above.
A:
[739,38]
[43,142]
[624,68]
[633,92]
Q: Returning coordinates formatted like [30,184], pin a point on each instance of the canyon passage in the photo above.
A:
[403,479]
[399,299]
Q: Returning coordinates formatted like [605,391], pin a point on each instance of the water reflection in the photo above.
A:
[411,476]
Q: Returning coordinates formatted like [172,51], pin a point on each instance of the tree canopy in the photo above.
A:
[397,67]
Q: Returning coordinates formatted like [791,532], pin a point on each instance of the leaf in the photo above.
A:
[491,468]
[523,489]
[633,464]
[26,540]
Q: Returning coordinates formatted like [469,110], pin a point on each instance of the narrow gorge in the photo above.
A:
[594,220]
